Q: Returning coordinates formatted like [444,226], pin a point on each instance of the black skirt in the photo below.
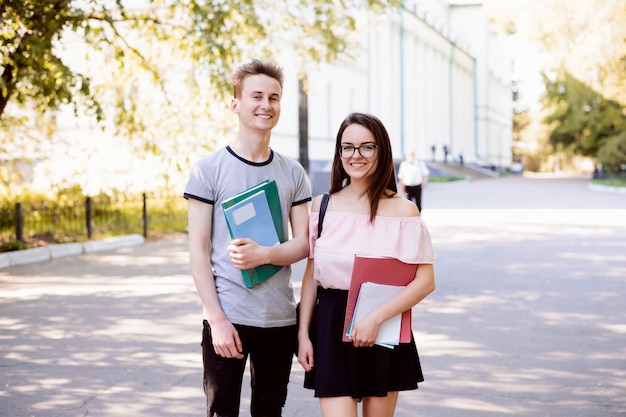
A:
[343,370]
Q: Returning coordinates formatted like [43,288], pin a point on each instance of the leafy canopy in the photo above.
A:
[586,43]
[582,119]
[153,71]
[213,34]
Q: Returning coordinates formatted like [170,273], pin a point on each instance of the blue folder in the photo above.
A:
[255,213]
[251,218]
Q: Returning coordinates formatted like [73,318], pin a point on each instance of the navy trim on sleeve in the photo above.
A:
[195,197]
[297,203]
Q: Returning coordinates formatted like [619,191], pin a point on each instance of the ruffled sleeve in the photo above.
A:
[405,238]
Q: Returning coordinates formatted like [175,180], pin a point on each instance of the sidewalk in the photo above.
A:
[527,319]
[45,253]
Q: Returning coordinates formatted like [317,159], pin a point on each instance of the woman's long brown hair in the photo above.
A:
[384,177]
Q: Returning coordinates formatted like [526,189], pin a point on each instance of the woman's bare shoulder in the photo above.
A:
[397,206]
[316,203]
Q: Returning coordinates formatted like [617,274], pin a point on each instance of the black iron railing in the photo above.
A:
[31,224]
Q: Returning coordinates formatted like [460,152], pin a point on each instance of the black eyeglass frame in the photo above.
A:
[358,148]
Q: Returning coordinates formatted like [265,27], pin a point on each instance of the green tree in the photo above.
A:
[155,71]
[214,35]
[582,42]
[582,120]
[613,154]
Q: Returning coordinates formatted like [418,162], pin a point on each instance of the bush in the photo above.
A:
[612,155]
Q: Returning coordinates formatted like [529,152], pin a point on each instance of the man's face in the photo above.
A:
[258,106]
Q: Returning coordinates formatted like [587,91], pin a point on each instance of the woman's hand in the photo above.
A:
[305,353]
[365,332]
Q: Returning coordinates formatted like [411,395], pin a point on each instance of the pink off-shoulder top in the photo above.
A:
[346,234]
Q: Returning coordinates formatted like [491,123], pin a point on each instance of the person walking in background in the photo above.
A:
[241,322]
[365,215]
[413,175]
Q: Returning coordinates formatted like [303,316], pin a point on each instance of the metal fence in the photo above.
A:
[31,224]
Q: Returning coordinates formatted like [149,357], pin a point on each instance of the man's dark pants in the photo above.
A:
[271,354]
[414,193]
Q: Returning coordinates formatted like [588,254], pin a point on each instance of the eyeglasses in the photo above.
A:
[366,151]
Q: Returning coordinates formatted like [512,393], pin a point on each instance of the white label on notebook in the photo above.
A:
[244,213]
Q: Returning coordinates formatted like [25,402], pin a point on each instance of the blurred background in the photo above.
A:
[105,105]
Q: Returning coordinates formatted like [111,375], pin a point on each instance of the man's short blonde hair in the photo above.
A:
[256,67]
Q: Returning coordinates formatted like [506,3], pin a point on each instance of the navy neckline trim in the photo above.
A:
[245,161]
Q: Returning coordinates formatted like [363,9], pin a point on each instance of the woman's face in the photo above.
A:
[359,152]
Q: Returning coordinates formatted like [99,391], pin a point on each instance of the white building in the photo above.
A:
[436,74]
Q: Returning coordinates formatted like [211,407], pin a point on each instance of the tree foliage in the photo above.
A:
[31,71]
[581,44]
[613,154]
[153,71]
[214,35]
[582,119]
[587,42]
[586,38]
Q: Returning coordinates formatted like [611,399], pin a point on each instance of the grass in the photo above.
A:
[13,246]
[610,182]
[50,222]
[443,178]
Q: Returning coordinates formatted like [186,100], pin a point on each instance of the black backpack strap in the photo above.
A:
[323,206]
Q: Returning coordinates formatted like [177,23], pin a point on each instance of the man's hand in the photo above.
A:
[226,340]
[247,254]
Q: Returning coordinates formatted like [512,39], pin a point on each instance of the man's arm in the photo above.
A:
[401,174]
[225,338]
[425,174]
[296,248]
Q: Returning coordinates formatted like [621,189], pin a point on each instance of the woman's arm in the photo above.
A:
[308,300]
[366,331]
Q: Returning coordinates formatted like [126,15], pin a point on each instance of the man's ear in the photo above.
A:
[234,105]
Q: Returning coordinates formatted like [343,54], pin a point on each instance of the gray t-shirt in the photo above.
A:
[220,176]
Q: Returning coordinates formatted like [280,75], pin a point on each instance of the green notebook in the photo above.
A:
[261,273]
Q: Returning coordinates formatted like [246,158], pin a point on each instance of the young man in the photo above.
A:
[413,175]
[240,322]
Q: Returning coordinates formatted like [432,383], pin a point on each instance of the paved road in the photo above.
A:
[528,318]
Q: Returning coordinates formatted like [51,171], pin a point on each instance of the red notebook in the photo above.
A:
[381,270]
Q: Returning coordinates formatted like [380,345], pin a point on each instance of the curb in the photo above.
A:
[45,253]
[607,188]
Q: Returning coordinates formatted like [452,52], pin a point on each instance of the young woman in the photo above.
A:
[365,215]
